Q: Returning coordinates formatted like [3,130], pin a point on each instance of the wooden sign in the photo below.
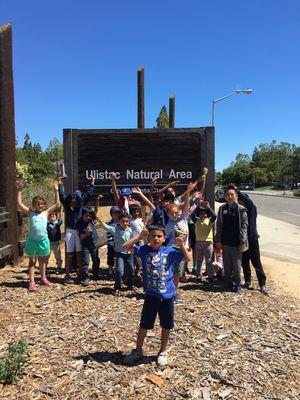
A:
[136,156]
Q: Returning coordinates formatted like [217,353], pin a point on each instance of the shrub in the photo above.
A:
[11,365]
[297,193]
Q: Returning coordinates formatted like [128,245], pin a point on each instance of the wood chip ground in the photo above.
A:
[225,345]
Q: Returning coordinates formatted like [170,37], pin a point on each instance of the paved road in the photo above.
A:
[283,209]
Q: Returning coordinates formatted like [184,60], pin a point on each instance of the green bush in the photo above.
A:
[11,365]
[297,193]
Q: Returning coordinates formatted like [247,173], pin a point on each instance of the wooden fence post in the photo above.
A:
[8,196]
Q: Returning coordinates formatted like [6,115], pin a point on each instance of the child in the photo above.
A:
[89,242]
[204,217]
[122,233]
[73,204]
[231,236]
[54,235]
[158,263]
[114,213]
[177,226]
[123,200]
[37,244]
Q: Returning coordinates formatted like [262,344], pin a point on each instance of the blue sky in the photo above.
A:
[75,66]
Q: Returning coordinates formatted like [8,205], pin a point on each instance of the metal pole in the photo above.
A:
[141,103]
[172,112]
[213,113]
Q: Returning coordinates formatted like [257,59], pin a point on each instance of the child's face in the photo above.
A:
[231,196]
[173,213]
[87,217]
[39,205]
[124,222]
[156,239]
[167,203]
[52,218]
[202,215]
[135,214]
[115,216]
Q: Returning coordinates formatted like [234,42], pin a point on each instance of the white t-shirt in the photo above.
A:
[137,225]
[181,226]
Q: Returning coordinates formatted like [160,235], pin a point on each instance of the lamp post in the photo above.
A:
[245,91]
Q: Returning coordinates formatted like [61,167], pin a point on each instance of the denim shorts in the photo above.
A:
[164,308]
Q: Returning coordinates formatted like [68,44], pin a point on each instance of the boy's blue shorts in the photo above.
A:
[164,308]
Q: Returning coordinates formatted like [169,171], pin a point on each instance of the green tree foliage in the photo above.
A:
[162,121]
[34,164]
[269,163]
[55,150]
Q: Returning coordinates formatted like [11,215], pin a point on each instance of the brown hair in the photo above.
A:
[38,198]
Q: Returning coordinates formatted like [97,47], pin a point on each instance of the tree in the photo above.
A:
[162,120]
[55,150]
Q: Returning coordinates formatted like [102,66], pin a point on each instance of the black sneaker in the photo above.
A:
[247,285]
[86,282]
[237,289]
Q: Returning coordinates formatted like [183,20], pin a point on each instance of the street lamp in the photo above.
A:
[245,91]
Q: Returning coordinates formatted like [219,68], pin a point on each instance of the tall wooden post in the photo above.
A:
[172,112]
[8,193]
[141,103]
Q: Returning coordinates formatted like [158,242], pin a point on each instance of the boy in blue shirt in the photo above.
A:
[89,242]
[158,271]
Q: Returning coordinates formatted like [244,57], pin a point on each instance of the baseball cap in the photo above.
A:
[126,192]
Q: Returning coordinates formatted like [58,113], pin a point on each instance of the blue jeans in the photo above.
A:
[86,253]
[124,264]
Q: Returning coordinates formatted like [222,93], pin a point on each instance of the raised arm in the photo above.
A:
[114,188]
[168,186]
[202,180]
[143,197]
[153,183]
[62,195]
[107,227]
[90,190]
[22,206]
[56,204]
[97,203]
[131,242]
[186,203]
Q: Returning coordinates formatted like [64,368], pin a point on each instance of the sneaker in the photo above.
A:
[135,356]
[237,288]
[32,287]
[264,289]
[45,282]
[178,299]
[68,281]
[247,285]
[86,282]
[162,359]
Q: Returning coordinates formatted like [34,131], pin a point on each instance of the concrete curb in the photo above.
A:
[286,196]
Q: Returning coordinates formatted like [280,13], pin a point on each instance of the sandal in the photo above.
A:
[45,282]
[32,287]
